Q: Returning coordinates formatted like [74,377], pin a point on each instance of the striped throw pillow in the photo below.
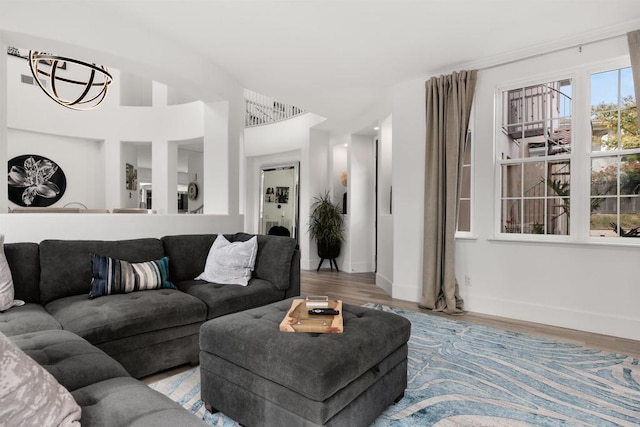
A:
[114,276]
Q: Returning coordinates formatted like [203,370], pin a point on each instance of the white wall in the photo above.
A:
[76,157]
[339,162]
[384,259]
[583,286]
[279,137]
[361,205]
[26,108]
[408,153]
[40,226]
[287,142]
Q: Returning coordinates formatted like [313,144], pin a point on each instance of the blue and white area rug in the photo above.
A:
[461,374]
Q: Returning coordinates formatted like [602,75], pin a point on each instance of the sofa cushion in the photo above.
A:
[72,360]
[6,282]
[125,315]
[187,254]
[29,395]
[65,265]
[273,262]
[128,402]
[24,261]
[224,299]
[230,263]
[30,317]
[114,276]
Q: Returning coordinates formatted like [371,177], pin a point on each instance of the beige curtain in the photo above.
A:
[633,38]
[449,100]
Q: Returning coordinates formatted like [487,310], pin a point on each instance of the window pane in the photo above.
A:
[533,216]
[565,95]
[629,137]
[604,130]
[464,216]
[511,216]
[559,137]
[534,103]
[465,191]
[558,217]
[604,176]
[629,216]
[630,174]
[511,181]
[512,109]
[466,157]
[604,91]
[627,92]
[534,179]
[511,142]
[602,218]
[536,143]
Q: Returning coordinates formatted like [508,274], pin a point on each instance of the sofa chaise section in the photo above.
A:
[145,331]
[105,392]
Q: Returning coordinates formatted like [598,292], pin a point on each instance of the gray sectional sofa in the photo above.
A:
[95,346]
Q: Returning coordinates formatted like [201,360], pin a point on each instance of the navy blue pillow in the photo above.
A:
[114,276]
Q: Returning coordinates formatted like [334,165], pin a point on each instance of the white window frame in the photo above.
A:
[586,226]
[472,145]
[499,233]
[580,199]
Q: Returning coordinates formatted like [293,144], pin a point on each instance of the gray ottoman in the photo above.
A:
[260,376]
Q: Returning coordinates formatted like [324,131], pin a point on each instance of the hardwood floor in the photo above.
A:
[360,288]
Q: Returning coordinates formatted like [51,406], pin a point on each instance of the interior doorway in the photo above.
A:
[279,199]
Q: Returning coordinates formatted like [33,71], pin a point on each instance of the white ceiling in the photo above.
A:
[332,57]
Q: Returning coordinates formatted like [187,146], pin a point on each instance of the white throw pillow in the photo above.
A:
[6,282]
[230,263]
[29,395]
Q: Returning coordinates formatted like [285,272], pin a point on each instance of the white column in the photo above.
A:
[113,173]
[158,94]
[216,158]
[164,173]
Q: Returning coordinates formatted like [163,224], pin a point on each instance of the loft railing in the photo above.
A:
[262,109]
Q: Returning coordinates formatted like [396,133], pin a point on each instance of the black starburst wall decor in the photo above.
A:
[35,181]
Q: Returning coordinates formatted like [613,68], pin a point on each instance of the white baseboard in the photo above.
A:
[384,283]
[361,267]
[588,321]
[406,293]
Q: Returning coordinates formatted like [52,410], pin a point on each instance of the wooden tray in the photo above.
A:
[298,319]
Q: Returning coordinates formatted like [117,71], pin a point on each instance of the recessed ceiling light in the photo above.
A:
[346,145]
[376,128]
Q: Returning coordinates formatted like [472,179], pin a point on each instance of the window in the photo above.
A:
[464,208]
[615,156]
[541,146]
[535,158]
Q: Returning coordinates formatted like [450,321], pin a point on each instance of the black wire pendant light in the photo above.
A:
[72,83]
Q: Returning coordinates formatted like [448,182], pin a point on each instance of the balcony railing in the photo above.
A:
[262,109]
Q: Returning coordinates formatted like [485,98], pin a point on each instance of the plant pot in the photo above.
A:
[328,250]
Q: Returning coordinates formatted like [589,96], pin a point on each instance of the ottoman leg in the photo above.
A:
[210,408]
[399,398]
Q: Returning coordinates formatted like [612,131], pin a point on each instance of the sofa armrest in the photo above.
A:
[294,275]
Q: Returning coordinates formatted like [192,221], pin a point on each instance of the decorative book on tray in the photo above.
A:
[301,317]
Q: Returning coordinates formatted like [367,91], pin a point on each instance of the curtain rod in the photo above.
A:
[537,55]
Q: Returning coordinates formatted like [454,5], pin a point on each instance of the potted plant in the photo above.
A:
[325,225]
